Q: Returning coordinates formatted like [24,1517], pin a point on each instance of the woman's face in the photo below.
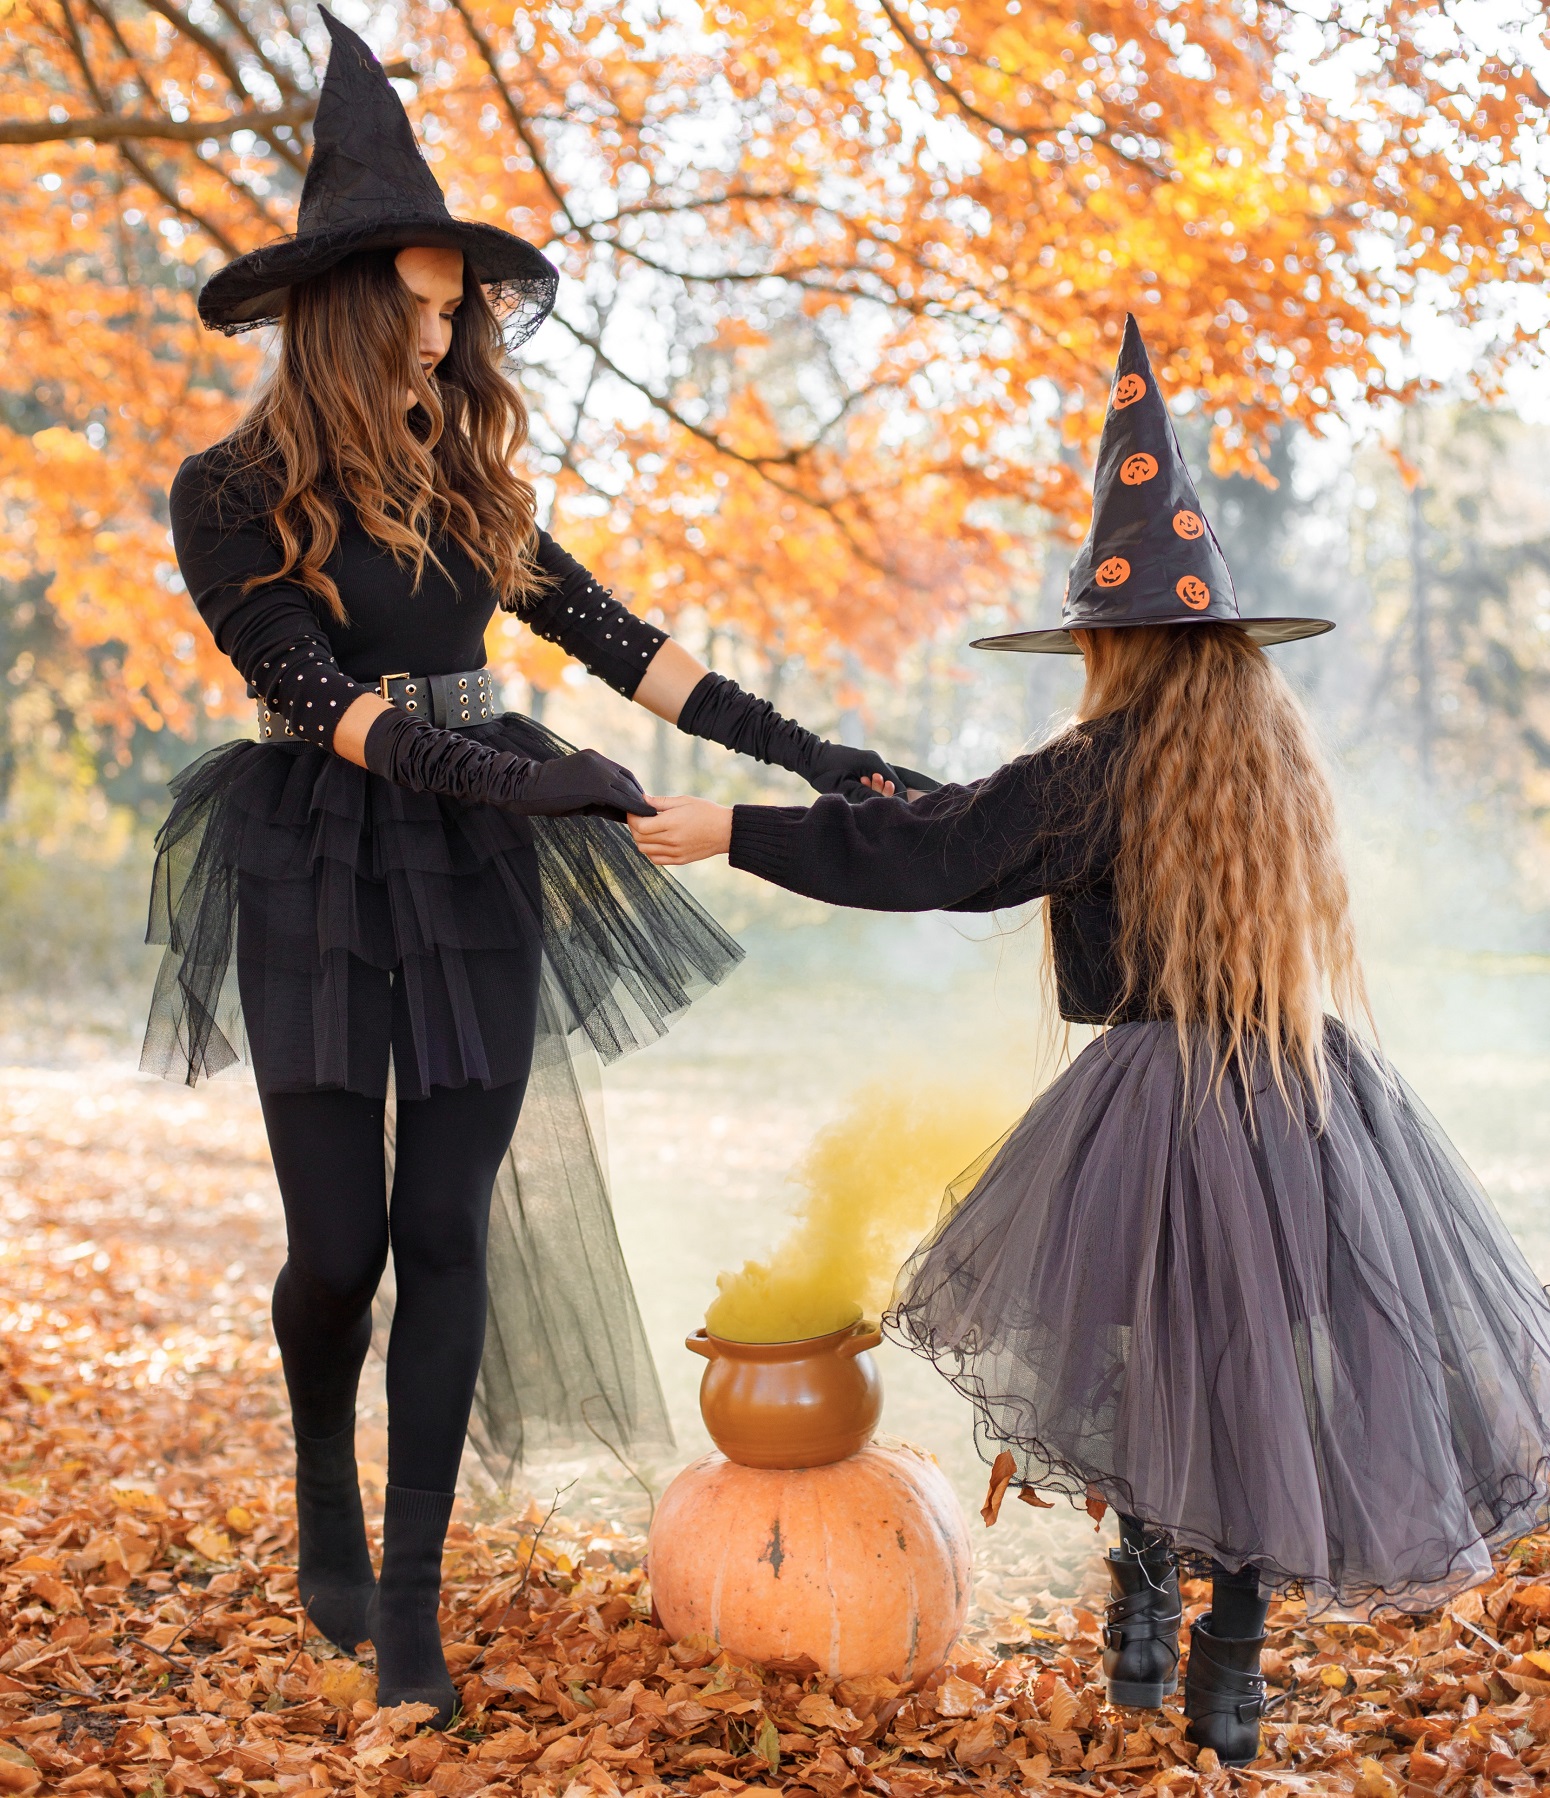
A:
[435,278]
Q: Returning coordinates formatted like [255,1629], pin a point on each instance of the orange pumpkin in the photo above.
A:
[1112,572]
[1189,525]
[1194,592]
[863,1565]
[1127,390]
[1137,468]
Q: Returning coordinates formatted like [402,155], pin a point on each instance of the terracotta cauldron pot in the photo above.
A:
[791,1404]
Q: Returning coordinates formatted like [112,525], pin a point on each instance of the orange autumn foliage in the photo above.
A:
[843,278]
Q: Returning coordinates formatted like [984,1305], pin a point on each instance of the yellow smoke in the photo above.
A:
[873,1185]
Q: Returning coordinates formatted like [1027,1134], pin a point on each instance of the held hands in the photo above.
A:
[584,784]
[854,773]
[682,830]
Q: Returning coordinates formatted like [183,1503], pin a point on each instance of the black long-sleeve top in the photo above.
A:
[309,666]
[1042,826]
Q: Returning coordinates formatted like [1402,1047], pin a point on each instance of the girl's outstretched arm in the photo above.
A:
[1027,830]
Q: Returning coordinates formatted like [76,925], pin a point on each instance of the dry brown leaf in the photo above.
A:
[347,1683]
[979,1740]
[1373,1781]
[1001,1473]
[958,1697]
[213,1544]
[1063,1706]
[821,1712]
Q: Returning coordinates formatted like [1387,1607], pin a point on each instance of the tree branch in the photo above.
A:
[759,465]
[514,112]
[733,197]
[112,127]
[923,55]
[245,194]
[224,61]
[169,198]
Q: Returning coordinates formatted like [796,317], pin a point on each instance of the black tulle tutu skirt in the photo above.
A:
[291,877]
[323,925]
[1309,1348]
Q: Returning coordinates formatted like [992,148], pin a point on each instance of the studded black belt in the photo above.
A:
[449,700]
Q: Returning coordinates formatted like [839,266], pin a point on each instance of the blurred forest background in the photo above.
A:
[843,282]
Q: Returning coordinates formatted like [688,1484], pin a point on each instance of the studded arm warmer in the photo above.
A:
[271,632]
[587,622]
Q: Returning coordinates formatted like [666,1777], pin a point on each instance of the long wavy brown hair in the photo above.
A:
[330,423]
[1234,912]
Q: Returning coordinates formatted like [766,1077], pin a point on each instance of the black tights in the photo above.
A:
[328,1155]
[1237,1611]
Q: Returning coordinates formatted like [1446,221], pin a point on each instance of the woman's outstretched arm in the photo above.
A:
[644,664]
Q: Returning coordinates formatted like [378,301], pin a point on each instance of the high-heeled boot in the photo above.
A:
[1224,1693]
[1141,1631]
[411,1668]
[333,1564]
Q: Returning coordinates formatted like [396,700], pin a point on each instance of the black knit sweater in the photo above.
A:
[310,667]
[1041,826]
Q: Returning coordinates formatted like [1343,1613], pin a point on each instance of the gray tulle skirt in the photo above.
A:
[1312,1350]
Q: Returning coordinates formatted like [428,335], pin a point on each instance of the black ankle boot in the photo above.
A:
[333,1564]
[1224,1694]
[411,1668]
[1141,1635]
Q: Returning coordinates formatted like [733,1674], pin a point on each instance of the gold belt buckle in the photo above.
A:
[382,684]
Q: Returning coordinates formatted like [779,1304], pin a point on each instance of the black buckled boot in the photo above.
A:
[1141,1633]
[333,1564]
[411,1668]
[1224,1694]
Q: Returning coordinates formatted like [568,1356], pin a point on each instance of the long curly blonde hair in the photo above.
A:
[1234,912]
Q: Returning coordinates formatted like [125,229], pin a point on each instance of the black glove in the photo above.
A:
[721,712]
[413,754]
[916,782]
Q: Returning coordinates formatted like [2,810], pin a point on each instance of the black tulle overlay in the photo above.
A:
[1315,1350]
[314,916]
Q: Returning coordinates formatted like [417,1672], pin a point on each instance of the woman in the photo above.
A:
[399,873]
[1226,1273]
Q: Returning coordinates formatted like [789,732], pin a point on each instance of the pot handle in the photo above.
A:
[700,1344]
[867,1336]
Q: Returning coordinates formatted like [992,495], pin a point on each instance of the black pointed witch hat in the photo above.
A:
[369,188]
[1150,557]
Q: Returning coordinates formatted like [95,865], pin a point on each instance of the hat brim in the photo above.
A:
[251,291]
[1266,632]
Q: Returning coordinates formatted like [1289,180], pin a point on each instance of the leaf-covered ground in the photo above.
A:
[150,1639]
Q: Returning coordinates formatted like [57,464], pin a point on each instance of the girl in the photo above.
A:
[1226,1273]
[398,872]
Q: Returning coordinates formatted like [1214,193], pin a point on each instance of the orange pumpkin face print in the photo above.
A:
[1112,572]
[1138,468]
[1189,525]
[1194,592]
[1127,390]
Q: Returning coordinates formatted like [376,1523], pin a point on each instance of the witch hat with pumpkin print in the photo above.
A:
[1150,556]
